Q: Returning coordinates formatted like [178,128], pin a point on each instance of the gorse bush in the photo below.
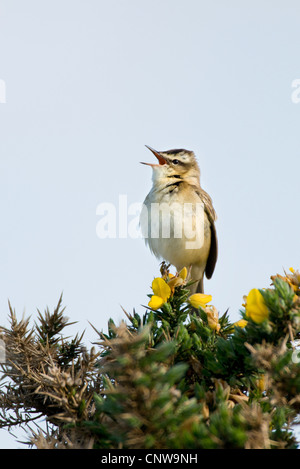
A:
[179,376]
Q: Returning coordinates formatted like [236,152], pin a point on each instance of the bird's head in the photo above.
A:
[177,164]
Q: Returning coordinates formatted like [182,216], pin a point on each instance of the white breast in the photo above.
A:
[177,232]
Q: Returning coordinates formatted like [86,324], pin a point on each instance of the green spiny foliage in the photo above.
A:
[179,376]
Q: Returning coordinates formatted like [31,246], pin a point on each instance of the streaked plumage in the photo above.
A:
[176,184]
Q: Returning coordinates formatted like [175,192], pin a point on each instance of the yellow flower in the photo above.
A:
[162,293]
[213,318]
[261,383]
[175,282]
[256,308]
[199,300]
[161,288]
[183,273]
[241,323]
[155,302]
[292,279]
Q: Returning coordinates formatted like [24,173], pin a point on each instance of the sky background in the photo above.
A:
[88,84]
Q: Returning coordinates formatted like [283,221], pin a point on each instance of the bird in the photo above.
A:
[176,204]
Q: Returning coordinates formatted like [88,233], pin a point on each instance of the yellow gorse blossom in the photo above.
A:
[183,273]
[175,282]
[199,300]
[178,279]
[241,323]
[256,309]
[162,293]
[163,287]
[213,318]
[261,383]
[293,279]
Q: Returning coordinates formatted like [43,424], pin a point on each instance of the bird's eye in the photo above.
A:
[175,161]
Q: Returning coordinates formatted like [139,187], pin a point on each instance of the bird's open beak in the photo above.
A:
[161,160]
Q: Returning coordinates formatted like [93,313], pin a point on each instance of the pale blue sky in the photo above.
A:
[88,84]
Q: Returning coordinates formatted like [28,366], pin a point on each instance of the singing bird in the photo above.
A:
[174,227]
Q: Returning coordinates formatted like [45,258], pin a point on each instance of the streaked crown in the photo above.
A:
[177,163]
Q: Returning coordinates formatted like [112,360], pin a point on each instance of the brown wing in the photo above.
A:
[208,206]
[213,253]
